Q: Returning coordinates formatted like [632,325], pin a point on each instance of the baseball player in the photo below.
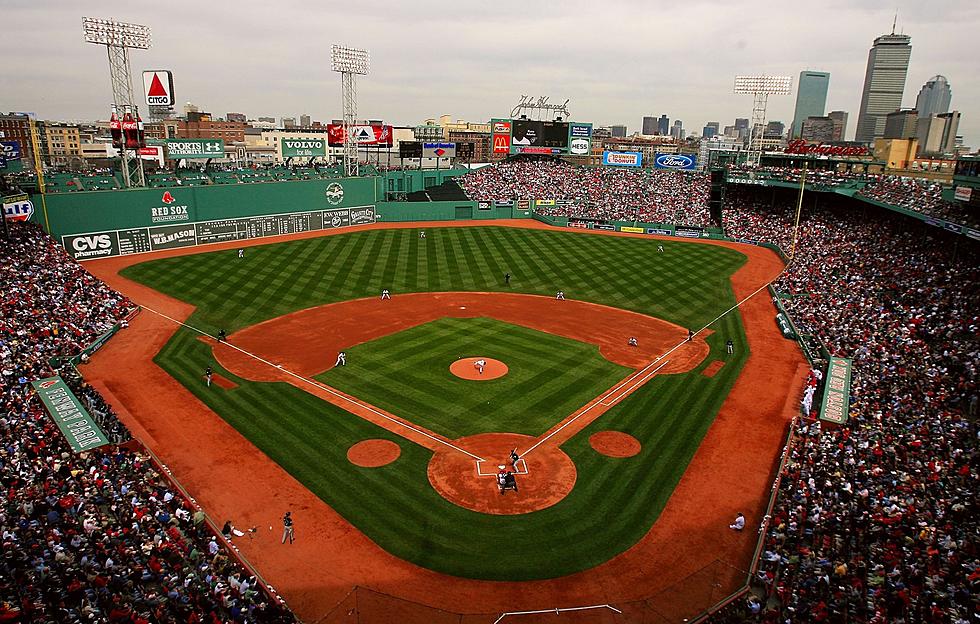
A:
[507,279]
[222,336]
[690,335]
[341,359]
[514,458]
[385,294]
[560,295]
[730,346]
[632,341]
[287,527]
[660,248]
[421,233]
[241,253]
[479,365]
[207,375]
[501,477]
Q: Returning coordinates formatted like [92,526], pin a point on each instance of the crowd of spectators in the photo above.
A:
[100,535]
[876,521]
[601,193]
[817,177]
[921,196]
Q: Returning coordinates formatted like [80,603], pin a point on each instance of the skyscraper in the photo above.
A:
[811,97]
[774,129]
[677,130]
[618,131]
[649,126]
[840,124]
[884,82]
[710,129]
[663,125]
[934,97]
[304,121]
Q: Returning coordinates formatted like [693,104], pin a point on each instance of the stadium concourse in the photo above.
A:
[101,535]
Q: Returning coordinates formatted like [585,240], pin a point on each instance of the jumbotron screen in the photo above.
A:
[526,136]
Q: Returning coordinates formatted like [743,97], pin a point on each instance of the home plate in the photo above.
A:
[462,307]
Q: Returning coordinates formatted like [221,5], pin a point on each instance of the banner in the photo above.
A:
[837,391]
[378,136]
[158,87]
[963,193]
[439,150]
[679,162]
[80,430]
[303,148]
[17,207]
[633,230]
[622,159]
[579,138]
[501,135]
[10,149]
[195,148]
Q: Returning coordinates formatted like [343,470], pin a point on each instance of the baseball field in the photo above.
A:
[399,449]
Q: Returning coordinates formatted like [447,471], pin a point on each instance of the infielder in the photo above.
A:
[560,295]
[341,359]
[730,346]
[479,365]
[632,341]
[385,294]
[207,375]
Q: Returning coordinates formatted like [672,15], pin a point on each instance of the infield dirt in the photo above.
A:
[730,473]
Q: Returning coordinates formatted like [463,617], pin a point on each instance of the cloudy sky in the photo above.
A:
[616,60]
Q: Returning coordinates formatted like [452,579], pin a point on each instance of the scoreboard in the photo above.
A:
[527,136]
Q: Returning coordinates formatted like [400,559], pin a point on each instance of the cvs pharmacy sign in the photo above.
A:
[95,245]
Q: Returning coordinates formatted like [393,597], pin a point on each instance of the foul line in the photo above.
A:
[321,386]
[643,371]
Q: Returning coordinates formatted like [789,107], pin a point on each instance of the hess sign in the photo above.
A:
[158,87]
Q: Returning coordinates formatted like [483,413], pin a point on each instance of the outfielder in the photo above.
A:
[385,294]
[241,253]
[207,375]
[341,359]
[560,295]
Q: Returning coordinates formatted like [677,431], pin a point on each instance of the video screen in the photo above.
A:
[527,133]
[555,134]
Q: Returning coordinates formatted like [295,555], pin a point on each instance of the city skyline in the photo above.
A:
[488,58]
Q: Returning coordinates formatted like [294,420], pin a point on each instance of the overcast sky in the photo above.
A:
[616,60]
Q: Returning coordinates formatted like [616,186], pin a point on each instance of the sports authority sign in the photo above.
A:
[303,148]
[158,87]
[80,430]
[195,148]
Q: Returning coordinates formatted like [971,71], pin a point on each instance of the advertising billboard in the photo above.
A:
[526,133]
[501,135]
[579,138]
[439,150]
[379,136]
[303,148]
[622,159]
[158,87]
[17,207]
[678,162]
[10,149]
[195,148]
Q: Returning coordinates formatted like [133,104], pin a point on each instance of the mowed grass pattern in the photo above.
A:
[679,285]
[614,502]
[407,373]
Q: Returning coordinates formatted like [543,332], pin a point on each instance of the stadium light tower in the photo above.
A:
[118,38]
[760,87]
[349,62]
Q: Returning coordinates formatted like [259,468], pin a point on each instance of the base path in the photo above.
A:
[730,472]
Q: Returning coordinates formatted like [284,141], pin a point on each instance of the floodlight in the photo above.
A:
[347,60]
[773,85]
[112,33]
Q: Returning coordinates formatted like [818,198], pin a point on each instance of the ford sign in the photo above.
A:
[681,162]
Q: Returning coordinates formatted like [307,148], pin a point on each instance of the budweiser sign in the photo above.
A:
[802,147]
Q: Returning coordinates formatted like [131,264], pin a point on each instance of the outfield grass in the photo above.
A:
[614,502]
[407,373]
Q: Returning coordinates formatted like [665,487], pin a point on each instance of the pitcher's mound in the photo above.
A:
[466,368]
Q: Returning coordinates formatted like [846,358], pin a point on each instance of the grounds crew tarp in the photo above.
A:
[74,421]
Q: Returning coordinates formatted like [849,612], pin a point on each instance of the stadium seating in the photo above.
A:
[876,521]
[102,535]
